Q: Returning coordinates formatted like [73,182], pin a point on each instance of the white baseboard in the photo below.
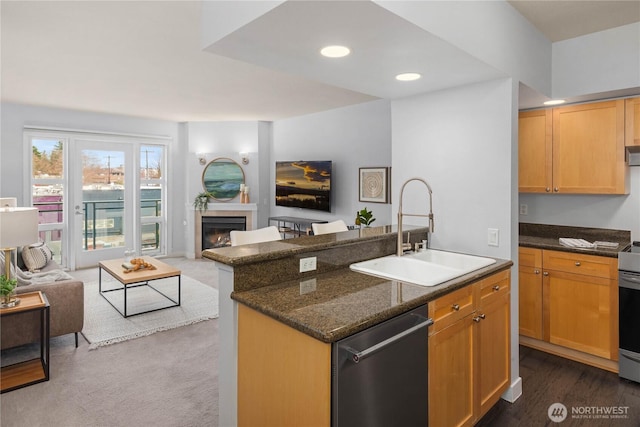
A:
[514,392]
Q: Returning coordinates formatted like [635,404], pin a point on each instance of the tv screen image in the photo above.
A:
[304,184]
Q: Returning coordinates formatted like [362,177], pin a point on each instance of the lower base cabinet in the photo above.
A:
[284,375]
[469,353]
[569,305]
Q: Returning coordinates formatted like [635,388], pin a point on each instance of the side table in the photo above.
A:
[36,370]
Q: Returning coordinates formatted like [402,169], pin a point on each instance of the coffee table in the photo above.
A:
[135,279]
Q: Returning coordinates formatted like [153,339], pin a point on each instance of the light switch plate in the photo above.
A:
[307,264]
[493,237]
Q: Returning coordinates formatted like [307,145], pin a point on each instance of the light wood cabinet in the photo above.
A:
[530,292]
[581,294]
[494,340]
[469,357]
[451,359]
[582,154]
[579,313]
[632,122]
[451,363]
[535,130]
[284,375]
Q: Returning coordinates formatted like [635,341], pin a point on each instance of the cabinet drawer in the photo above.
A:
[590,265]
[530,257]
[451,307]
[494,286]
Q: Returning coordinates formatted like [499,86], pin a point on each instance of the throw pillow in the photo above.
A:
[36,256]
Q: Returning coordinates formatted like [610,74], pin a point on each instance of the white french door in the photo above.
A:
[104,214]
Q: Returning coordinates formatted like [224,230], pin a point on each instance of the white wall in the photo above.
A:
[16,116]
[600,211]
[222,139]
[352,137]
[463,141]
[599,62]
[492,31]
[226,139]
[459,141]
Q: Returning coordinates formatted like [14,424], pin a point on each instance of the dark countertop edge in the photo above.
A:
[546,236]
[355,327]
[311,246]
[555,246]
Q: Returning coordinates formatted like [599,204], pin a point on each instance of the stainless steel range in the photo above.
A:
[629,312]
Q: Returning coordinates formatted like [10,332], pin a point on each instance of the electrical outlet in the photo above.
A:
[307,264]
[524,209]
[492,237]
[307,286]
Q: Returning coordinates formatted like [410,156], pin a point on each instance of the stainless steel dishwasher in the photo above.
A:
[379,375]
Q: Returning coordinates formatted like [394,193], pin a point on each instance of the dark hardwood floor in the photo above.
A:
[548,379]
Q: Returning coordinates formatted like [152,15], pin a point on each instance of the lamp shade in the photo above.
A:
[18,227]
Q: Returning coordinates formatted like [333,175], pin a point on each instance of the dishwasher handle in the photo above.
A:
[357,356]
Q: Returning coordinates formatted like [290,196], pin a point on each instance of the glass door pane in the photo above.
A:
[103,203]
[152,195]
[48,191]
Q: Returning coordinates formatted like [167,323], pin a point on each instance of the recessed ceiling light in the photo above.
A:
[407,77]
[335,51]
[554,102]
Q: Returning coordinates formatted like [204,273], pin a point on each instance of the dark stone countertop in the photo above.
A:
[334,305]
[266,251]
[543,236]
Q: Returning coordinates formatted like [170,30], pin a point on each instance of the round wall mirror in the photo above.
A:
[222,178]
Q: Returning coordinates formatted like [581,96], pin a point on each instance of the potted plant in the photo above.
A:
[201,201]
[365,217]
[7,287]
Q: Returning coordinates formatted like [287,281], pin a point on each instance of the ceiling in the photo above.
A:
[144,58]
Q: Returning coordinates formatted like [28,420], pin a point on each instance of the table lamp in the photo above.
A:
[18,227]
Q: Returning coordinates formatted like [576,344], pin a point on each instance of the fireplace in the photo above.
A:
[216,230]
[246,212]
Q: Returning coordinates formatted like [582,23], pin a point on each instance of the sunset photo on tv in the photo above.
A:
[304,184]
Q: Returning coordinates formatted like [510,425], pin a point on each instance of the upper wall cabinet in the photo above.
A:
[632,122]
[534,151]
[577,149]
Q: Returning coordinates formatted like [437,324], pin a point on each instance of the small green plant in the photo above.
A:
[365,217]
[6,288]
[201,201]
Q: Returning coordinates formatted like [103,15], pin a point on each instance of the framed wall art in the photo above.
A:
[374,185]
[222,178]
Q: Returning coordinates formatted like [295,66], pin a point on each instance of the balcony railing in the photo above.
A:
[103,219]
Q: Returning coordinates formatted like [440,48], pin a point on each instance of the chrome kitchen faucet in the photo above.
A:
[401,245]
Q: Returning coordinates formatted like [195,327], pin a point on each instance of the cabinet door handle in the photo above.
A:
[455,307]
[536,271]
[477,319]
[546,273]
[547,189]
[496,288]
[578,264]
[556,189]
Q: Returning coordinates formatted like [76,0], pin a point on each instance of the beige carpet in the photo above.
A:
[103,325]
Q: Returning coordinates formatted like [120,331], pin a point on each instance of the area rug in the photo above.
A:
[103,325]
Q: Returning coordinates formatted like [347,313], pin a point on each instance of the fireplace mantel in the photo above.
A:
[247,210]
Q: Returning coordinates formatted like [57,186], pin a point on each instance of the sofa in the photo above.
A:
[66,301]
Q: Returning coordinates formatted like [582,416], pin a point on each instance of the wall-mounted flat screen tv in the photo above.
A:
[304,184]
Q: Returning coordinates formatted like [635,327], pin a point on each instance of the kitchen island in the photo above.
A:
[324,305]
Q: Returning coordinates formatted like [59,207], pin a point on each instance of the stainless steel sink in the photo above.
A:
[426,268]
